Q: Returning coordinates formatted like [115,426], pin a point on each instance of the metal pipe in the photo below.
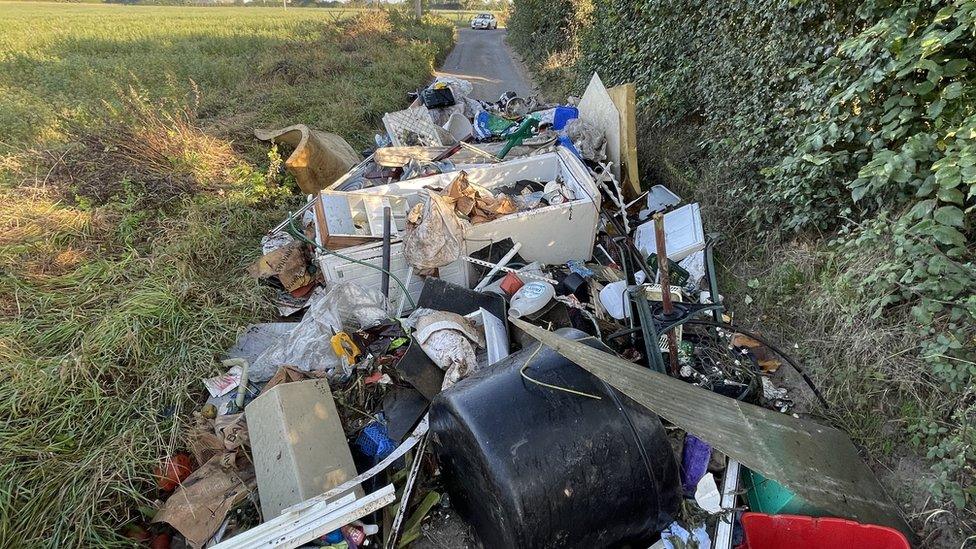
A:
[385,280]
[662,266]
[712,280]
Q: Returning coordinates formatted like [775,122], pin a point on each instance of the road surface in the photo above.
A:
[483,58]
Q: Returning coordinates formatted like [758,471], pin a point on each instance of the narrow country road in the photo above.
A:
[483,58]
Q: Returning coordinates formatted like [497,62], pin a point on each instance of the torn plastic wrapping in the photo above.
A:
[307,346]
[589,141]
[433,235]
[356,307]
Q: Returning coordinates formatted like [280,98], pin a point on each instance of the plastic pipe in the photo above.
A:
[498,266]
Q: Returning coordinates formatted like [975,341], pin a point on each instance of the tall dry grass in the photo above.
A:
[128,212]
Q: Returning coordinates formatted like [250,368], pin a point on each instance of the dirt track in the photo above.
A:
[483,58]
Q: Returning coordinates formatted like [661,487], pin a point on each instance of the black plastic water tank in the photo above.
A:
[530,466]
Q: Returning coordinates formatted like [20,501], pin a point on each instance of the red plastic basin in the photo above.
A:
[764,531]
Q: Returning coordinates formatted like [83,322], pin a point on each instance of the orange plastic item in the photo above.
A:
[173,471]
[797,532]
[511,284]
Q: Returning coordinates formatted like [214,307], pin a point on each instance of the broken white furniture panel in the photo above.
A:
[297,443]
[683,233]
[660,198]
[337,269]
[550,234]
[597,109]
[298,527]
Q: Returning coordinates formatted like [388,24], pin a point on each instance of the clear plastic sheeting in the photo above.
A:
[589,141]
[308,345]
[356,307]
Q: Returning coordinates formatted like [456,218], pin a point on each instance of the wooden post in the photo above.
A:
[662,267]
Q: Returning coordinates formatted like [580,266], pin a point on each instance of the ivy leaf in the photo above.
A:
[937,265]
[944,14]
[955,66]
[948,236]
[952,91]
[932,42]
[815,160]
[935,109]
[950,215]
[924,87]
[953,196]
[922,208]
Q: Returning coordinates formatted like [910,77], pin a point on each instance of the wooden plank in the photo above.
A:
[624,97]
[818,463]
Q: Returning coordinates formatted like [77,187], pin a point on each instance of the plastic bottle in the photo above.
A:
[531,298]
[355,536]
[368,529]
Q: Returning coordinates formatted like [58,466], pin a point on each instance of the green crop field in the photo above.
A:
[132,196]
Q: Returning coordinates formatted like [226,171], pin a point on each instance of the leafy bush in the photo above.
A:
[852,119]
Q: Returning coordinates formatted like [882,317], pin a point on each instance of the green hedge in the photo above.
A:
[850,119]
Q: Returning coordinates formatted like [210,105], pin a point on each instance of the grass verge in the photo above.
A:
[131,199]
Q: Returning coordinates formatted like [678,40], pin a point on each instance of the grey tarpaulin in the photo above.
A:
[817,462]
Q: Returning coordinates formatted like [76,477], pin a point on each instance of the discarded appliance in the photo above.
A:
[298,445]
[598,471]
[551,234]
[352,219]
[683,232]
[348,267]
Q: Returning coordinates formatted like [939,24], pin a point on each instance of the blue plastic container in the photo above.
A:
[563,115]
[375,441]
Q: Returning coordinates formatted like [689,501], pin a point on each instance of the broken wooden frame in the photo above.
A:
[818,463]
